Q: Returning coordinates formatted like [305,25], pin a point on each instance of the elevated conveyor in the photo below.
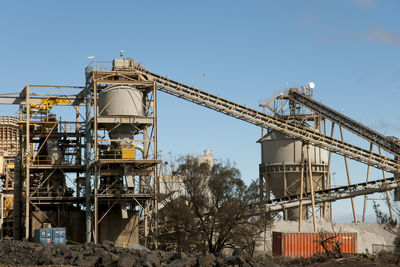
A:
[389,144]
[333,194]
[267,121]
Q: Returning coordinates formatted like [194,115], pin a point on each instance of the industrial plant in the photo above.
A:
[86,159]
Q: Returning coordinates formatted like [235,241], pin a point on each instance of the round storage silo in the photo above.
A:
[121,100]
[280,166]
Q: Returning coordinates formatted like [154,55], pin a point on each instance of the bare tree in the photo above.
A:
[330,244]
[389,224]
[220,210]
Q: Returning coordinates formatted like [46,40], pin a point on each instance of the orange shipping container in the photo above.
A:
[307,244]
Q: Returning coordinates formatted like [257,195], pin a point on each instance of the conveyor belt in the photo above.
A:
[387,143]
[333,194]
[266,121]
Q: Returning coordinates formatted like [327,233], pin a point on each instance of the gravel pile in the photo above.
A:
[19,253]
[26,253]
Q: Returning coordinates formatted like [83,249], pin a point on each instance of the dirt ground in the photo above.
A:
[17,253]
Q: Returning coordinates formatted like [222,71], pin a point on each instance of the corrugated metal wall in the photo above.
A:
[9,135]
[307,244]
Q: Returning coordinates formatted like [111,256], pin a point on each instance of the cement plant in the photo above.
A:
[80,166]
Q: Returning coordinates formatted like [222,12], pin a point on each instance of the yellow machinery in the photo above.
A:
[6,212]
[46,105]
[128,153]
[8,204]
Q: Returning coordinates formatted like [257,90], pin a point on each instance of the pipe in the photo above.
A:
[139,147]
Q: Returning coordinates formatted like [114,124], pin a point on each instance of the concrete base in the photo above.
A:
[118,230]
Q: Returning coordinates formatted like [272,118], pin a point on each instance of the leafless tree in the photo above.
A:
[217,210]
[330,244]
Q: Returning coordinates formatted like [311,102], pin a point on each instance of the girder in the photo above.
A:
[333,194]
[389,144]
[267,121]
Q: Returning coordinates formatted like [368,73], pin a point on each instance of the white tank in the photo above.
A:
[206,158]
[281,157]
[278,148]
[121,100]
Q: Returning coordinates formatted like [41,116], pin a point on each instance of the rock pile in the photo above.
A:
[19,253]
[105,254]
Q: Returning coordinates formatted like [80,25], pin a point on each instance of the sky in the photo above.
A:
[244,51]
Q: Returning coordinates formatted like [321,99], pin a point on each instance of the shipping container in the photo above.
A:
[307,244]
[58,236]
[43,235]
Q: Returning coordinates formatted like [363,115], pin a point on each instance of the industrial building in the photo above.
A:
[86,157]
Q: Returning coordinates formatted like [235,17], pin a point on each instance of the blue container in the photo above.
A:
[43,235]
[58,236]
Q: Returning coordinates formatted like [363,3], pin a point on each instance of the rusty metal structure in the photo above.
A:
[94,169]
[44,156]
[90,168]
[307,244]
[292,124]
[282,166]
[124,181]
[9,148]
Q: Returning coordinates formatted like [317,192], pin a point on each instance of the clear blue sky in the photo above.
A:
[248,50]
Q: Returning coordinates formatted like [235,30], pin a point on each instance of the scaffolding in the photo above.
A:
[49,158]
[120,181]
[109,178]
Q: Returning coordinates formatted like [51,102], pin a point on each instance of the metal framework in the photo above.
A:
[292,125]
[390,144]
[333,194]
[50,155]
[41,180]
[130,183]
[264,120]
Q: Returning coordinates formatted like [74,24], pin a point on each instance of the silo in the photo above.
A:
[123,112]
[281,163]
[121,101]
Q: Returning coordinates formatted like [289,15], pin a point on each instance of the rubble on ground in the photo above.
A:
[21,253]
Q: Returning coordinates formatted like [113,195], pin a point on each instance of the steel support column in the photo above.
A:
[27,164]
[348,177]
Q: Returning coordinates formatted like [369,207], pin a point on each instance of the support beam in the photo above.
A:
[156,180]
[311,188]
[348,178]
[88,185]
[334,194]
[367,180]
[301,186]
[96,173]
[328,206]
[27,164]
[387,193]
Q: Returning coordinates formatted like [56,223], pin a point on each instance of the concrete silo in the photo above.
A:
[125,102]
[280,168]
